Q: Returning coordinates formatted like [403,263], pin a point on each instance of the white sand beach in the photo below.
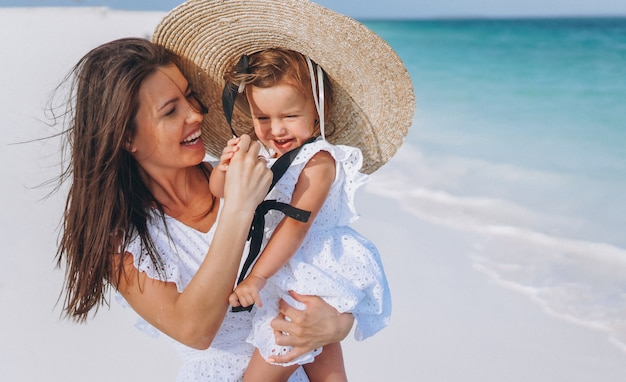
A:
[449,322]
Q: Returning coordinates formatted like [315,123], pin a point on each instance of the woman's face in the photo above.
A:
[283,118]
[168,123]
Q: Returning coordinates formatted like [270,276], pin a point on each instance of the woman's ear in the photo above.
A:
[128,144]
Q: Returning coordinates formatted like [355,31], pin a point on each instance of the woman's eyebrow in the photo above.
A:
[168,102]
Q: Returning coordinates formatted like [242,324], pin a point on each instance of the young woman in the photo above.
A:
[373,99]
[140,216]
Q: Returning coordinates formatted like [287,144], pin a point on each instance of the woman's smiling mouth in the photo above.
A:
[192,139]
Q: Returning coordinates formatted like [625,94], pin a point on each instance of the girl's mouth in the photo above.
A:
[282,143]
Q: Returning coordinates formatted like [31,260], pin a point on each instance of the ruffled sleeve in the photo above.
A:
[350,160]
[348,178]
[181,250]
[172,256]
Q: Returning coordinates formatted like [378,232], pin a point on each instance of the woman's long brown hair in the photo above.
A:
[107,203]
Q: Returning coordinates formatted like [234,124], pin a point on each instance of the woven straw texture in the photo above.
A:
[374,100]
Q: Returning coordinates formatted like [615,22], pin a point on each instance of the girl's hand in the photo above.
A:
[319,324]
[227,153]
[247,292]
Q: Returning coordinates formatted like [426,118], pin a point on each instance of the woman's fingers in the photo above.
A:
[294,353]
[317,325]
[248,177]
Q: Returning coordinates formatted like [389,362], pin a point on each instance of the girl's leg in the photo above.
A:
[260,371]
[328,366]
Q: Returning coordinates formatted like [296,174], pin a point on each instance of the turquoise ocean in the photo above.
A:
[519,140]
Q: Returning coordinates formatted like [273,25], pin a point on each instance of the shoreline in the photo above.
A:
[445,312]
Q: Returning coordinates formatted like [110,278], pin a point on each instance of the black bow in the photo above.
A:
[258,221]
[256,235]
[229,94]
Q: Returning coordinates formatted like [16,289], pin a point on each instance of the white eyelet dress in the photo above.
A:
[334,261]
[182,253]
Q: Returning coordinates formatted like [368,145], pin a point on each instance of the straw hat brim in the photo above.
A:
[374,101]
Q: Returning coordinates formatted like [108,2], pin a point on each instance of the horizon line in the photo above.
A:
[432,17]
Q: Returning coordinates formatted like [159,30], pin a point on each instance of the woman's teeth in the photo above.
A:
[193,138]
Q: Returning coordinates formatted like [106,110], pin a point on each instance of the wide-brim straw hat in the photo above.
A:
[373,95]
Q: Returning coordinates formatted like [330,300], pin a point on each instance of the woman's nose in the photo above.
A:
[194,101]
[195,115]
[197,108]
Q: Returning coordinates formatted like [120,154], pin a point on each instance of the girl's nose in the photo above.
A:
[277,126]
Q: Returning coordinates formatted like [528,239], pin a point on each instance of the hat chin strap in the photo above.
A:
[318,96]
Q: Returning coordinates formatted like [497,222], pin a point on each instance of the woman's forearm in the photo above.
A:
[194,316]
[206,297]
[204,301]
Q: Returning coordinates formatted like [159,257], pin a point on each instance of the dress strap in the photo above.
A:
[258,221]
[256,234]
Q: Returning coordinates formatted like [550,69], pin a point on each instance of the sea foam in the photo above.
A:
[519,243]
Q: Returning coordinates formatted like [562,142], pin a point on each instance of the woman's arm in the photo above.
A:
[194,316]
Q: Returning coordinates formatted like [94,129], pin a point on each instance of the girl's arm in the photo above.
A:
[216,182]
[218,177]
[193,316]
[309,194]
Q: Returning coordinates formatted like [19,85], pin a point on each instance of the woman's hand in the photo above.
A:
[317,325]
[248,178]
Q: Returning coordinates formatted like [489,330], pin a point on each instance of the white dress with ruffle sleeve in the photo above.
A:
[334,261]
[182,250]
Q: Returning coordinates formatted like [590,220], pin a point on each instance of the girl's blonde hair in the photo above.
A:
[271,66]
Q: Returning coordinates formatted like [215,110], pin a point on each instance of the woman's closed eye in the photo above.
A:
[170,111]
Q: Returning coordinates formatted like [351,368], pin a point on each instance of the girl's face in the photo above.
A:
[168,123]
[283,118]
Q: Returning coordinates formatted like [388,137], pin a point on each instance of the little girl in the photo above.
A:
[288,101]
